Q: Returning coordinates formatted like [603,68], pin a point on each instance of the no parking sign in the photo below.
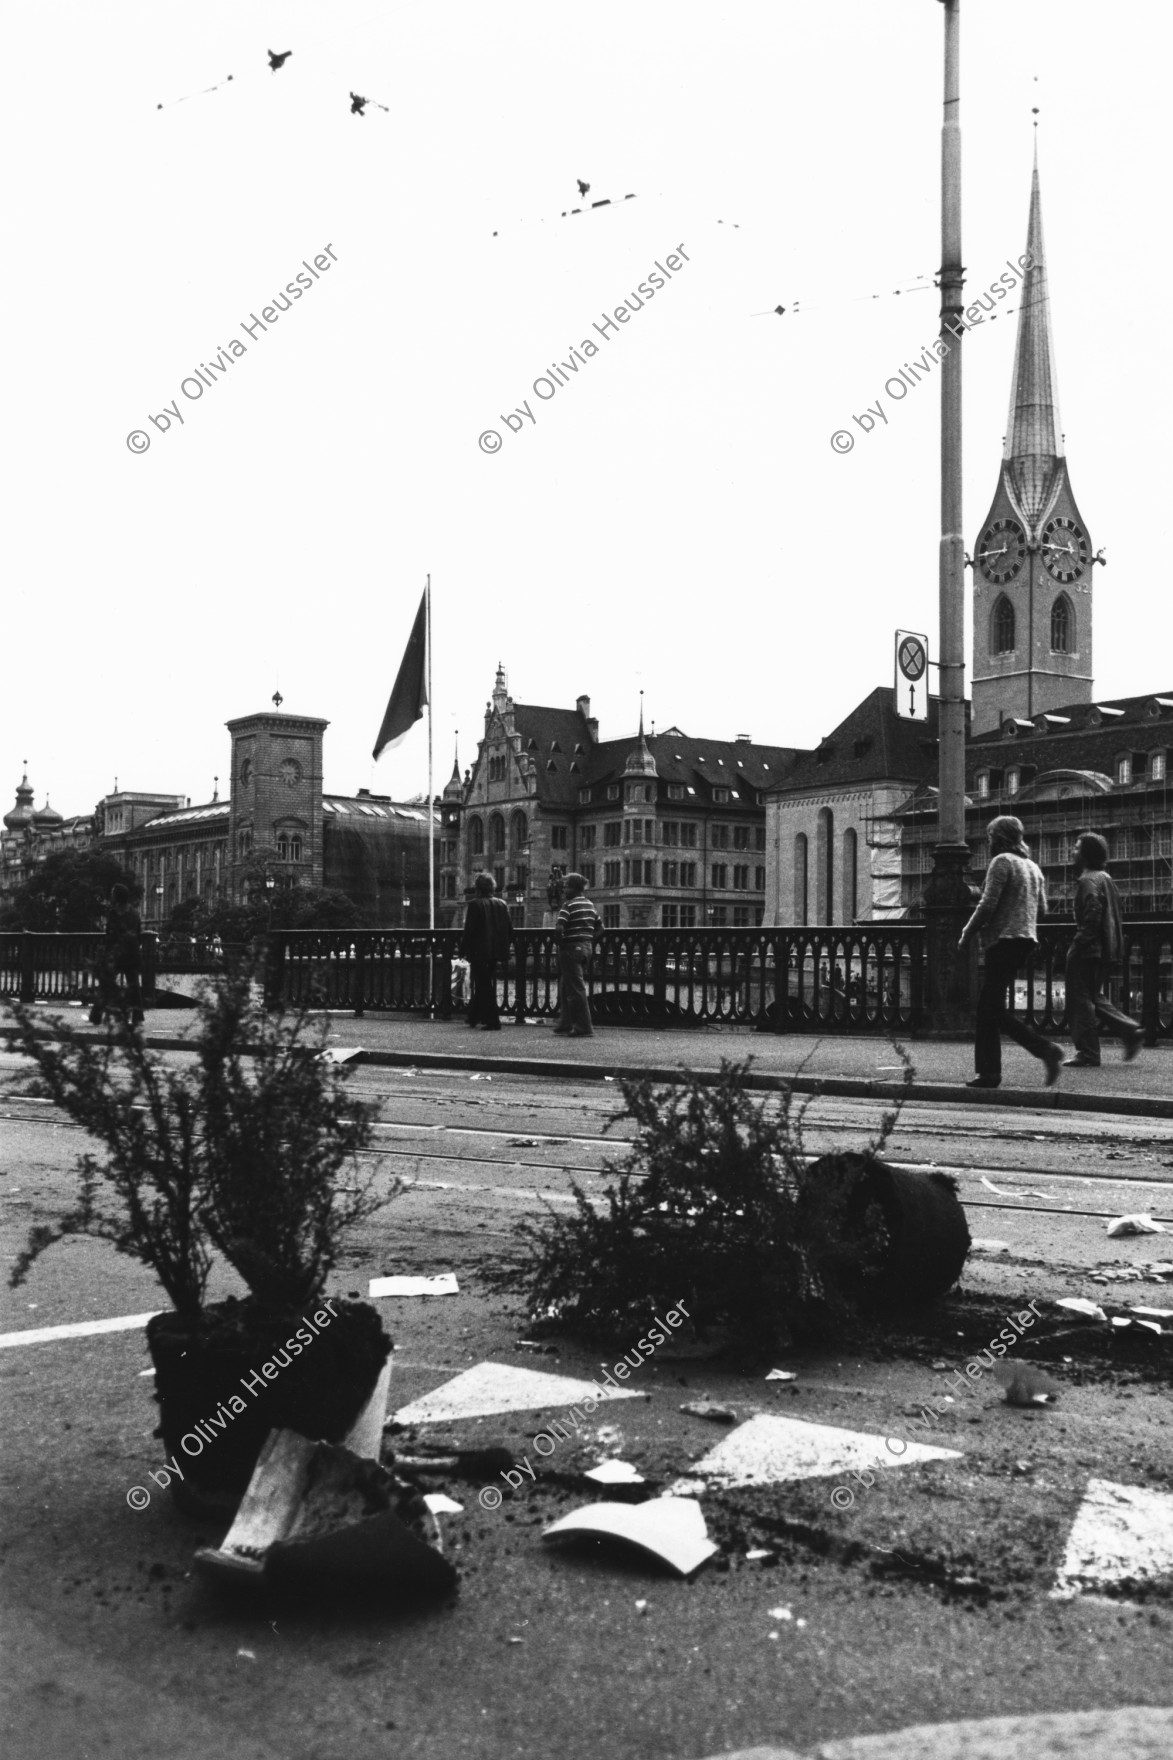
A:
[912,675]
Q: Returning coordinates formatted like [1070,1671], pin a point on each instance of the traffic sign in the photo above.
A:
[912,675]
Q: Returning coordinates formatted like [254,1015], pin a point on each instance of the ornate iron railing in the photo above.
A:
[860,979]
[850,980]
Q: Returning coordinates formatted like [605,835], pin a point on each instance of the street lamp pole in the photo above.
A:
[948,897]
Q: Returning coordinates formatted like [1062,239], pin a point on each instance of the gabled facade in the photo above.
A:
[668,829]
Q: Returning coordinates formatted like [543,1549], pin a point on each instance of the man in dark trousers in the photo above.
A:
[1097,946]
[121,958]
[578,924]
[487,938]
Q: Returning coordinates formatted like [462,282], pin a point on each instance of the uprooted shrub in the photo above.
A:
[716,1207]
[249,1148]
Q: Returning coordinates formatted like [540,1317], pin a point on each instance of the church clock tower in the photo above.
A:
[1032,569]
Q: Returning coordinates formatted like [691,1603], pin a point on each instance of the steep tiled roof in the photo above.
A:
[1082,736]
[184,816]
[698,763]
[872,744]
[550,737]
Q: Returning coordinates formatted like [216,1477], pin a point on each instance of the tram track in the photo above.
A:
[464,1138]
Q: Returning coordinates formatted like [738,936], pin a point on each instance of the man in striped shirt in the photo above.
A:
[578,924]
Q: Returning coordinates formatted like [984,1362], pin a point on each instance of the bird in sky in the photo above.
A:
[583,187]
[276,61]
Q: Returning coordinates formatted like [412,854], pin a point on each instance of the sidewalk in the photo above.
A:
[866,1067]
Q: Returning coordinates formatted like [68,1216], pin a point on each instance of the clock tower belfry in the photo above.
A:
[1033,563]
[275,800]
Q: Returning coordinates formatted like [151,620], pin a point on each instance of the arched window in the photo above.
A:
[476,836]
[850,875]
[1062,626]
[825,867]
[497,833]
[519,830]
[1003,626]
[800,881]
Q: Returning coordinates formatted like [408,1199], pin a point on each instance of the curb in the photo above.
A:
[836,1087]
[1133,1732]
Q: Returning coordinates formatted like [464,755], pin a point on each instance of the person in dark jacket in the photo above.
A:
[121,958]
[487,938]
[1097,946]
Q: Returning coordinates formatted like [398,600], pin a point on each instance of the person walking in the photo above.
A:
[578,924]
[1097,946]
[121,958]
[487,938]
[1014,898]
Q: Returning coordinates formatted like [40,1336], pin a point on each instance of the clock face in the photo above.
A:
[291,772]
[1065,549]
[1001,550]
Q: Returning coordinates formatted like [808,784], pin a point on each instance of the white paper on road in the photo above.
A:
[443,1285]
[768,1450]
[1121,1533]
[501,1387]
[77,1329]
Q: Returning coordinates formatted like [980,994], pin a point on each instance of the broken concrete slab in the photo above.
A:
[490,1388]
[768,1450]
[671,1529]
[1121,1534]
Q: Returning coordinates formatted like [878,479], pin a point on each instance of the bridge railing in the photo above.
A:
[853,980]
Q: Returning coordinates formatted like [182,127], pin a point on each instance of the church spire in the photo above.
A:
[1034,438]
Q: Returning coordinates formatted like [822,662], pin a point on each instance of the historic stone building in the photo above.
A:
[668,829]
[832,842]
[1084,767]
[1033,563]
[275,822]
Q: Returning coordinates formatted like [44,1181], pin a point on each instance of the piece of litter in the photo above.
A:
[781,1613]
[144,1373]
[989,1246]
[1139,1223]
[440,1505]
[480,1078]
[608,1078]
[773,1635]
[1010,1191]
[442,1285]
[343,1054]
[757,1552]
[250,1655]
[1025,1385]
[938,1364]
[615,1473]
[782,1375]
[641,1607]
[515,1640]
[1081,1305]
[671,1529]
[800,1622]
[1151,1313]
[1151,1326]
[705,1408]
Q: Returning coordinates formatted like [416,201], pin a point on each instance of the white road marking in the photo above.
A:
[502,1387]
[769,1450]
[77,1329]
[1120,1532]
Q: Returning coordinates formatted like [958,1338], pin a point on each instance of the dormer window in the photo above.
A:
[1124,770]
[584,797]
[721,796]
[612,791]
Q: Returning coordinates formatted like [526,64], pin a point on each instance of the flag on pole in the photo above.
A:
[409,695]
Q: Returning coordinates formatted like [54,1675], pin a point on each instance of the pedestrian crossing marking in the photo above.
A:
[767,1450]
[1121,1533]
[490,1388]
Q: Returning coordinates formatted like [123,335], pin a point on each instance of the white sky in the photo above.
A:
[676,520]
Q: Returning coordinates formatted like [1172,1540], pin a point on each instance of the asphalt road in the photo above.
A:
[926,1598]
